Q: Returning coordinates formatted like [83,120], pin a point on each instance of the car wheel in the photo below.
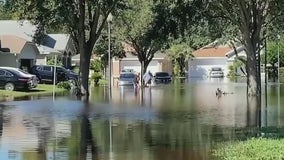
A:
[9,86]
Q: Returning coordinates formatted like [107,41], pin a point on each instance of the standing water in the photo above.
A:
[176,121]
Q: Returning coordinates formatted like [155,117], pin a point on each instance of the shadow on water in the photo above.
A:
[177,121]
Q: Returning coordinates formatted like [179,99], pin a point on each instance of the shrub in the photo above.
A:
[64,84]
[96,76]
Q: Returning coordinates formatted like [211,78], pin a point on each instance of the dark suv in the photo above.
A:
[45,73]
[162,77]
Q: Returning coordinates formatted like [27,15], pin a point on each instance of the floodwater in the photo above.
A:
[180,121]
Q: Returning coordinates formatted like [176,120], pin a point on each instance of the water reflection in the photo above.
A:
[178,121]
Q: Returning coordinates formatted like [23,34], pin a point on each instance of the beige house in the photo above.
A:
[159,63]
[17,52]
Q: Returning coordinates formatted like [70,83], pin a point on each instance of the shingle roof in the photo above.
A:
[13,43]
[219,51]
[22,28]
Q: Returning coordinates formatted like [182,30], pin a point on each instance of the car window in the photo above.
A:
[162,74]
[47,68]
[216,69]
[127,76]
[38,68]
[2,73]
[59,69]
[8,74]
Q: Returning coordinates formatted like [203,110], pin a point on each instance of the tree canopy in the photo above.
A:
[253,19]
[84,20]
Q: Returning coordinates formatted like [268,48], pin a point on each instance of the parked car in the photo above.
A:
[162,77]
[15,78]
[126,79]
[216,72]
[45,73]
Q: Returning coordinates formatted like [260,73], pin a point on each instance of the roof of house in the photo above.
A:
[12,44]
[26,30]
[233,53]
[219,51]
[158,55]
[44,50]
[21,28]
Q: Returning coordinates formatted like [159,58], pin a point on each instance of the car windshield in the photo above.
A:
[216,69]
[127,76]
[162,74]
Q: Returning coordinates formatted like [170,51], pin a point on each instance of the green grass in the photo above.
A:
[252,149]
[41,89]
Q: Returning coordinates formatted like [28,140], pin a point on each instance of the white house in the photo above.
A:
[17,52]
[62,43]
[206,58]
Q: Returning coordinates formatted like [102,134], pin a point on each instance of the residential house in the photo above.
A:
[158,63]
[59,44]
[17,52]
[206,58]
[64,44]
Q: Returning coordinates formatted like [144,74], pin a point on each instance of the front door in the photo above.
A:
[26,64]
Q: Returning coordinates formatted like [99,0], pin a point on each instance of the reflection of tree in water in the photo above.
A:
[87,142]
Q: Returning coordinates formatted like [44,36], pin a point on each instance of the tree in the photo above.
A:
[83,19]
[137,28]
[101,48]
[272,56]
[180,53]
[251,17]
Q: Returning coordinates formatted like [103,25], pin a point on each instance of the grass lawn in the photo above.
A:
[41,89]
[252,149]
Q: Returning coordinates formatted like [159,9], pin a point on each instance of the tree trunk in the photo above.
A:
[84,69]
[253,73]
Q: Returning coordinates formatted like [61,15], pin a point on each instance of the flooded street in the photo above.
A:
[181,121]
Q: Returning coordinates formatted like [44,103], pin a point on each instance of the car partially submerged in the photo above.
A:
[162,77]
[14,78]
[126,79]
[216,72]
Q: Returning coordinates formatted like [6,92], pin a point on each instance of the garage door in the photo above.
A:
[199,68]
[136,66]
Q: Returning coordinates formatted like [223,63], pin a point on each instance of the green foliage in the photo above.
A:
[281,74]
[139,27]
[237,64]
[96,76]
[50,61]
[64,84]
[272,53]
[179,53]
[76,69]
[96,65]
[101,48]
[253,149]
